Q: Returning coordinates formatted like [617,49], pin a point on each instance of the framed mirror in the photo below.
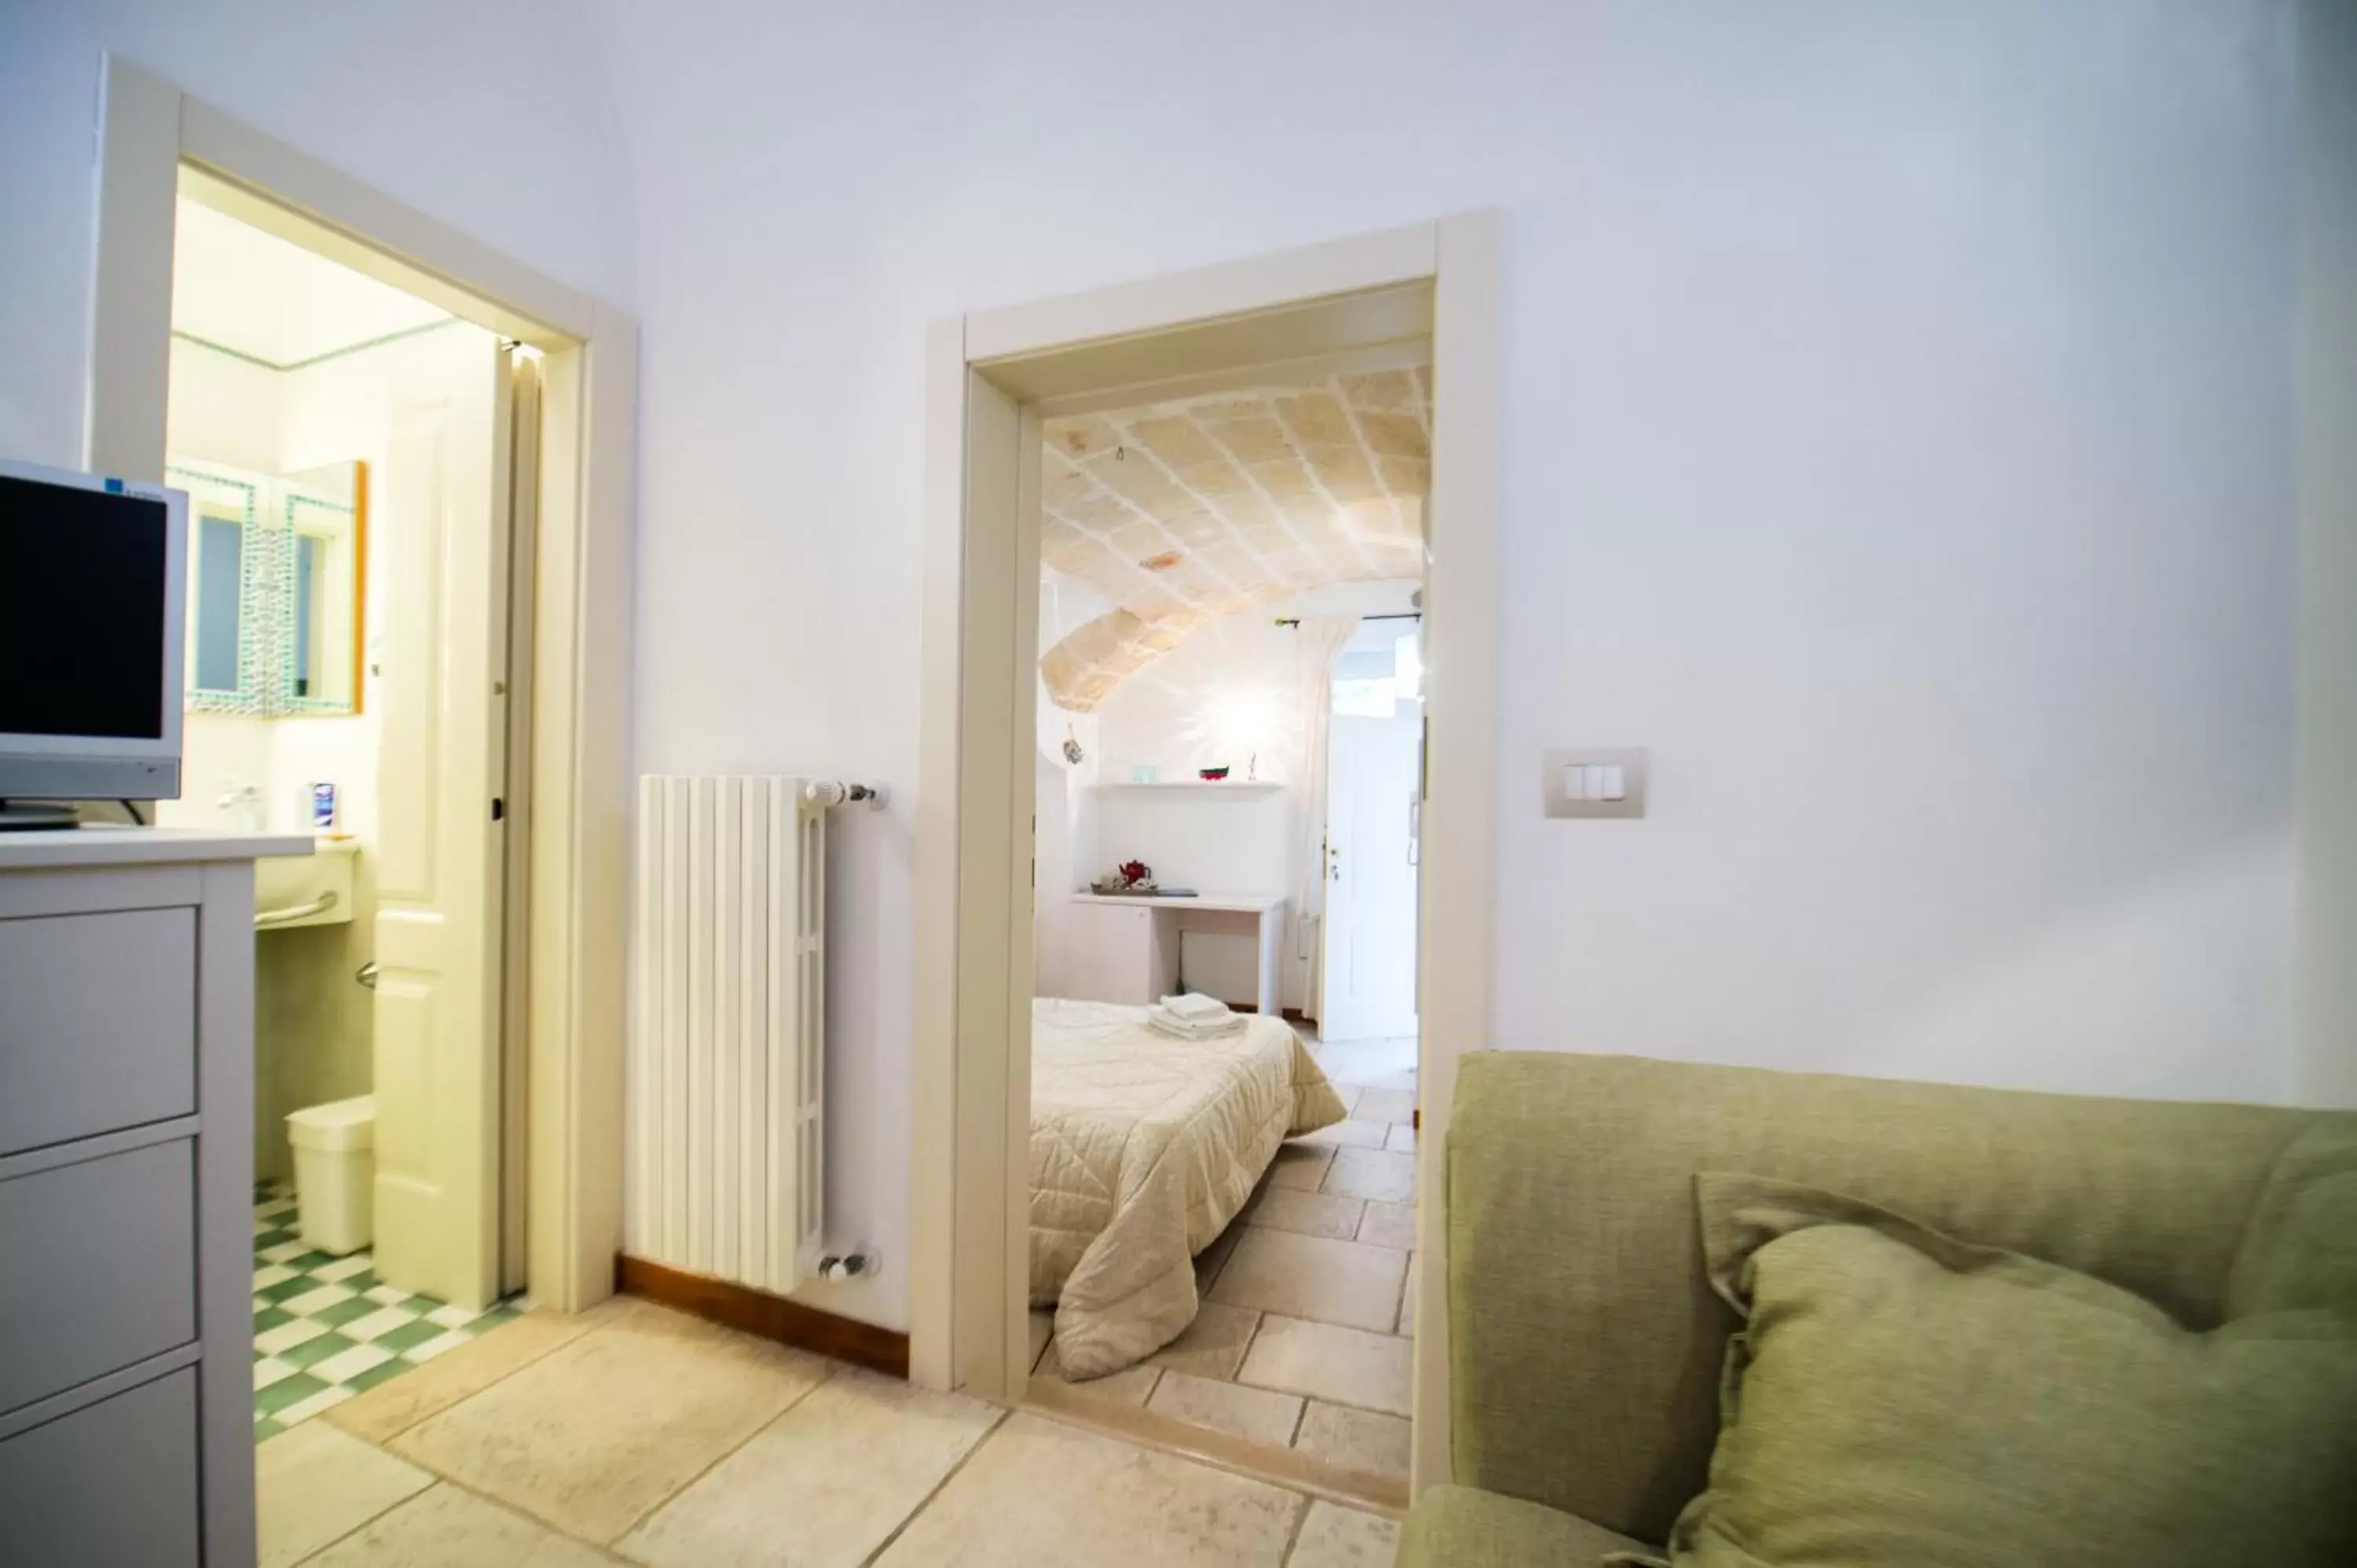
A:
[321,612]
[278,588]
[225,660]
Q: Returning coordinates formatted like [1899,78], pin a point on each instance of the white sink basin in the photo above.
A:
[313,889]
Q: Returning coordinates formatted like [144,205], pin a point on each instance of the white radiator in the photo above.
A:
[722,1138]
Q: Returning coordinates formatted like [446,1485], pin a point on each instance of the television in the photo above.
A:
[93,605]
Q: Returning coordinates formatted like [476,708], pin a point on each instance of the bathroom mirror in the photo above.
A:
[278,588]
[225,672]
[325,515]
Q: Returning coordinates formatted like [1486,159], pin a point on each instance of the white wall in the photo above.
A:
[493,115]
[2326,336]
[1898,443]
[222,409]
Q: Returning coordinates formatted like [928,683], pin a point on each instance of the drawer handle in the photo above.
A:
[366,974]
[319,905]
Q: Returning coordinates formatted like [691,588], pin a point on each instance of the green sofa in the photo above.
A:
[1585,1344]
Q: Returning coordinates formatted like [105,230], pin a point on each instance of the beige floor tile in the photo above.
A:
[1041,1494]
[394,1407]
[1354,1439]
[1402,1138]
[1310,1213]
[1393,1105]
[1260,1415]
[1043,1328]
[1311,1276]
[596,1433]
[313,1483]
[1371,1173]
[823,1486]
[1349,1093]
[1129,1386]
[1346,1366]
[1407,1298]
[1214,1345]
[1389,1225]
[1335,1537]
[1353,1133]
[1382,1063]
[1299,1165]
[445,1527]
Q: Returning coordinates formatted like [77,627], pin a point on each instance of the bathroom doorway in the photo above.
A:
[363,467]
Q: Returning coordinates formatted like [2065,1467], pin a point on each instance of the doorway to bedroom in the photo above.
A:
[1227,774]
[1219,344]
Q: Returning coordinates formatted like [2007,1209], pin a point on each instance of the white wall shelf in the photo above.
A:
[1197,786]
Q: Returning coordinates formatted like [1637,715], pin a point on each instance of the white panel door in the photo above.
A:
[442,616]
[1370,961]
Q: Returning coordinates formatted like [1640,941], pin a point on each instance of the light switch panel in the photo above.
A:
[1593,781]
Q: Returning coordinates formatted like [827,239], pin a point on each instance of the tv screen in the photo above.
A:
[82,612]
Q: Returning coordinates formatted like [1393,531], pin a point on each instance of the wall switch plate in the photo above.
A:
[1593,781]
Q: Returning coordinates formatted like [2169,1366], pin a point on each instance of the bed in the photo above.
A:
[1143,1149]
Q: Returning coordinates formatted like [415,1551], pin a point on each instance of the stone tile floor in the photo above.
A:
[632,1434]
[1304,1337]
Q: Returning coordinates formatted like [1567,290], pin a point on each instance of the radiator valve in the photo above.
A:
[827,792]
[839,1266]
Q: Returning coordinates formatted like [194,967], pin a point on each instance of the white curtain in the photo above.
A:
[1319,642]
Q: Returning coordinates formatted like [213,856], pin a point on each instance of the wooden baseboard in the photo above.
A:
[1293,1013]
[770,1316]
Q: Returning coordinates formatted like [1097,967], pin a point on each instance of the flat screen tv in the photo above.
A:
[92,602]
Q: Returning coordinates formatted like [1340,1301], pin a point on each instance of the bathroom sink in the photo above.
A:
[313,889]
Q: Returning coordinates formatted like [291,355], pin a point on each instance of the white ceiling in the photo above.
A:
[241,289]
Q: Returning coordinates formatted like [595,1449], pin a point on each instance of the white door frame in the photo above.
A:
[580,723]
[968,1234]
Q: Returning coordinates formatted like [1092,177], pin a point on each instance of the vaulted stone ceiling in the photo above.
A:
[1183,512]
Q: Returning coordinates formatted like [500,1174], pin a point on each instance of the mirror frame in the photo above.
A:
[266,591]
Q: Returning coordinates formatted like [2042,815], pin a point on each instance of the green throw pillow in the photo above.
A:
[1900,1398]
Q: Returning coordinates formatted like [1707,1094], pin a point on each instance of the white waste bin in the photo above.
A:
[334,1173]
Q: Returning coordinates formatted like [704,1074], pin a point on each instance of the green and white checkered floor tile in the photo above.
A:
[325,1328]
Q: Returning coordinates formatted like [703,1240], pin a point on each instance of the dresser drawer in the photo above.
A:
[97,1268]
[99,1030]
[112,1485]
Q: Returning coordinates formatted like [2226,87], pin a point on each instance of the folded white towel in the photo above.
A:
[1195,1005]
[1161,1018]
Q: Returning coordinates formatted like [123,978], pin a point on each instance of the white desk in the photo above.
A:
[1131,952]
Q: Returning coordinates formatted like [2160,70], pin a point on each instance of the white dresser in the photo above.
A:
[126,1150]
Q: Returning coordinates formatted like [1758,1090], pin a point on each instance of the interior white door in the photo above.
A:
[442,657]
[1371,878]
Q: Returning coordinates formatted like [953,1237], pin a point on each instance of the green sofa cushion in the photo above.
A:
[1458,1527]
[1584,1343]
[2300,1247]
[1899,1397]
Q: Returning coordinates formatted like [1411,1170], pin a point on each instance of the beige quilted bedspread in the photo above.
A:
[1143,1148]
